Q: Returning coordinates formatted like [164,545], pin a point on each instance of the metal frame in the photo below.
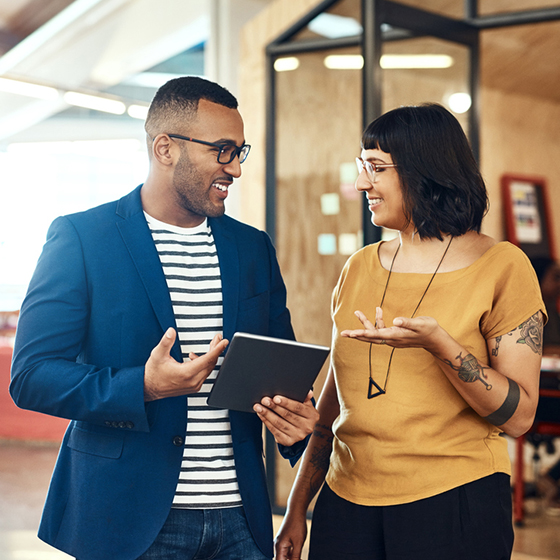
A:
[375,12]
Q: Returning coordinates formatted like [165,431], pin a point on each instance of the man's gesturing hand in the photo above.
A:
[165,377]
[288,421]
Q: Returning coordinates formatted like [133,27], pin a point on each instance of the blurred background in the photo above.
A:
[76,77]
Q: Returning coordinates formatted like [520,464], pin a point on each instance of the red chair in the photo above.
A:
[540,427]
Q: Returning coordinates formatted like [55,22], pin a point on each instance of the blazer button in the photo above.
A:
[178,441]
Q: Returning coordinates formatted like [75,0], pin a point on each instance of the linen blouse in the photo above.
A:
[421,438]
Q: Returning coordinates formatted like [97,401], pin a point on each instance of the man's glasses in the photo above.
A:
[227,152]
[372,168]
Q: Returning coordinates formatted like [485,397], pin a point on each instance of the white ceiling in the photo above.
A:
[101,46]
[106,45]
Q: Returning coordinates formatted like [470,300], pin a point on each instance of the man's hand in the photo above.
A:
[287,420]
[165,377]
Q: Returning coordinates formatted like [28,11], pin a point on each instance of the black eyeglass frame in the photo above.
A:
[240,151]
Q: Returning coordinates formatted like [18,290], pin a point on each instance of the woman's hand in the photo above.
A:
[419,332]
[289,541]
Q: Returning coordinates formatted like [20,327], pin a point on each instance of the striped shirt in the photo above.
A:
[189,259]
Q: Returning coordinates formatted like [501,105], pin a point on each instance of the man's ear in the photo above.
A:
[164,150]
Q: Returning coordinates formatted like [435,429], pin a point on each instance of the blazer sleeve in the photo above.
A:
[48,374]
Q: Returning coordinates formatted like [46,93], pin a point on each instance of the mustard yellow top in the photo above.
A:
[421,438]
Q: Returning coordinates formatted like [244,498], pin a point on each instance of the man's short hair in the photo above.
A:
[176,103]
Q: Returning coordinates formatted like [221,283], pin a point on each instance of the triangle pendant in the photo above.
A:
[371,391]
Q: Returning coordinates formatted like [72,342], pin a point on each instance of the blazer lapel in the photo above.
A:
[139,242]
[229,270]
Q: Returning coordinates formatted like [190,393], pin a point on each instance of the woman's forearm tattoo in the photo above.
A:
[320,457]
[509,406]
[470,370]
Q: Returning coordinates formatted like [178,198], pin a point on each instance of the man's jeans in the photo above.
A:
[210,534]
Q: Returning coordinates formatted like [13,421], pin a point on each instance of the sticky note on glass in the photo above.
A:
[326,244]
[330,204]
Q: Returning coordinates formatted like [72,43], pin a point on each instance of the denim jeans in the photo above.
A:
[205,534]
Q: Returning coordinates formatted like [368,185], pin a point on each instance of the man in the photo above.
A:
[124,300]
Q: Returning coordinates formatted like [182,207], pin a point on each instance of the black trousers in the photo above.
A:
[471,522]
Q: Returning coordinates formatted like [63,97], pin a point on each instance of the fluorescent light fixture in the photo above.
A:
[138,112]
[460,102]
[344,62]
[333,26]
[94,102]
[286,64]
[29,90]
[389,61]
[91,148]
[407,61]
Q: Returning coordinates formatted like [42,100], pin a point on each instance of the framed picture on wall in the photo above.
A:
[527,215]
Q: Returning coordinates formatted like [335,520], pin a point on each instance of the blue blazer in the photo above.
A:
[96,306]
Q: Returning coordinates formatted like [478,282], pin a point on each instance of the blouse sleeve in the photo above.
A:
[516,293]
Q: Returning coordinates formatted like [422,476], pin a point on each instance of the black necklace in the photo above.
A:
[372,384]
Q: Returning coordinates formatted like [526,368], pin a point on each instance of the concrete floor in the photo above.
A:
[25,472]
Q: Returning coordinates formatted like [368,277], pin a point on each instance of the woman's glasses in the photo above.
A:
[372,168]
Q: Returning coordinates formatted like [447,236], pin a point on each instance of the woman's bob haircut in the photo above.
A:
[443,191]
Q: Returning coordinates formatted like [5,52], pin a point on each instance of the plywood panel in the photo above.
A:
[519,135]
[319,128]
[256,35]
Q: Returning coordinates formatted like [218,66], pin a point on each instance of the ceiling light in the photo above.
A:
[344,61]
[286,64]
[460,102]
[94,102]
[138,112]
[29,90]
[333,26]
[391,61]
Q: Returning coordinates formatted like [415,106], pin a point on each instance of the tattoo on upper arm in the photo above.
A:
[496,349]
[470,370]
[509,406]
[531,333]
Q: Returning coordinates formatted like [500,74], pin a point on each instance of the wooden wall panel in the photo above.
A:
[519,135]
[256,35]
[319,128]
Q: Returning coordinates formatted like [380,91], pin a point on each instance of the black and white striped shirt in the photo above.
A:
[190,263]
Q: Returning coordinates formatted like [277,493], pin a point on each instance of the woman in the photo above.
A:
[437,346]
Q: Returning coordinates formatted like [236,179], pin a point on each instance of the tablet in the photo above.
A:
[260,366]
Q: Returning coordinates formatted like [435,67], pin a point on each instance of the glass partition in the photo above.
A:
[318,210]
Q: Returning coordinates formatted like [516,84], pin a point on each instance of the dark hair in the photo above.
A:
[541,266]
[176,102]
[443,191]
